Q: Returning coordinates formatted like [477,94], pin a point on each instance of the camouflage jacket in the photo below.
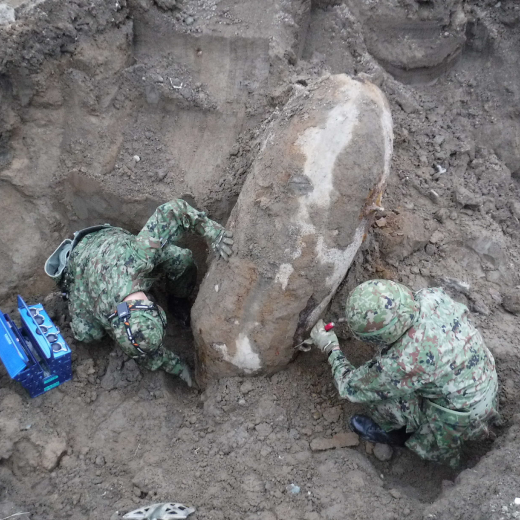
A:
[442,357]
[108,265]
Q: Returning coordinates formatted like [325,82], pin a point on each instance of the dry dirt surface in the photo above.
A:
[109,108]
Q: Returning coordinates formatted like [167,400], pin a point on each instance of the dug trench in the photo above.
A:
[109,110]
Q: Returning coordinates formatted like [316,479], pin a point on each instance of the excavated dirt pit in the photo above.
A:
[109,109]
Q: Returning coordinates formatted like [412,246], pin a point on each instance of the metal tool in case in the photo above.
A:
[36,354]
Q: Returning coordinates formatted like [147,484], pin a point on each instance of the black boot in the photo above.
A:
[370,431]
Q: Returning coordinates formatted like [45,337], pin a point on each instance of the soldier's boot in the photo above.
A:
[370,431]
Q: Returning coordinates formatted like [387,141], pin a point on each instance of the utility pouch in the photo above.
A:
[449,426]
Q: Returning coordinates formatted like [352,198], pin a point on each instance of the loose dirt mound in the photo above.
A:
[109,108]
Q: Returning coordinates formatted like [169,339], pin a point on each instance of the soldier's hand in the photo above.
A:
[219,238]
[222,245]
[324,340]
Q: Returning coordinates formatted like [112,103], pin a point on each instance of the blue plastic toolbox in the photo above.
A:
[36,354]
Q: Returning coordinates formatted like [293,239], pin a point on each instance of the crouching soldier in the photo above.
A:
[433,383]
[106,271]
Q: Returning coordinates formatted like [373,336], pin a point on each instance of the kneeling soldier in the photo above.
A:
[105,272]
[433,383]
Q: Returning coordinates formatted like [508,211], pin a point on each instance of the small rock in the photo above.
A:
[436,237]
[383,452]
[54,450]
[113,374]
[140,482]
[7,14]
[369,447]
[84,369]
[466,198]
[100,460]
[242,402]
[294,434]
[395,493]
[246,387]
[457,285]
[340,440]
[515,209]
[381,222]
[346,439]
[136,158]
[167,5]
[407,103]
[442,215]
[263,429]
[293,489]
[186,435]
[479,306]
[144,394]
[321,444]
[161,174]
[511,302]
[430,249]
[332,415]
[189,20]
[434,196]
[265,451]
[131,371]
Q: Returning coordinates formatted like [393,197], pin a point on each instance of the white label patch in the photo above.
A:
[283,274]
[244,358]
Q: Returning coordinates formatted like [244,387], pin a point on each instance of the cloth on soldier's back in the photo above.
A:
[57,262]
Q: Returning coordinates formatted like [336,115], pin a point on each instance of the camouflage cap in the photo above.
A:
[147,327]
[380,311]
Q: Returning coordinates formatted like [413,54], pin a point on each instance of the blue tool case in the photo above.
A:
[36,354]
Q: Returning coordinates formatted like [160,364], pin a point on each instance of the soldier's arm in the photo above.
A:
[386,377]
[169,223]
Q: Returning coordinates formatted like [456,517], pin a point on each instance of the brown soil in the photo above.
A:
[187,88]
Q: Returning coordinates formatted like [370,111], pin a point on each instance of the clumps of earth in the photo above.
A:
[111,108]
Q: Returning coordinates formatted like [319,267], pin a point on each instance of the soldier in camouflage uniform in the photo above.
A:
[106,271]
[433,382]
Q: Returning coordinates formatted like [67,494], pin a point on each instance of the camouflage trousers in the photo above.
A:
[180,271]
[437,432]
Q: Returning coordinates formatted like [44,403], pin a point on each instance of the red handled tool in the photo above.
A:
[329,326]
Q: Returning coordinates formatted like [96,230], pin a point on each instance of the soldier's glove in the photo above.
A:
[324,340]
[219,238]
